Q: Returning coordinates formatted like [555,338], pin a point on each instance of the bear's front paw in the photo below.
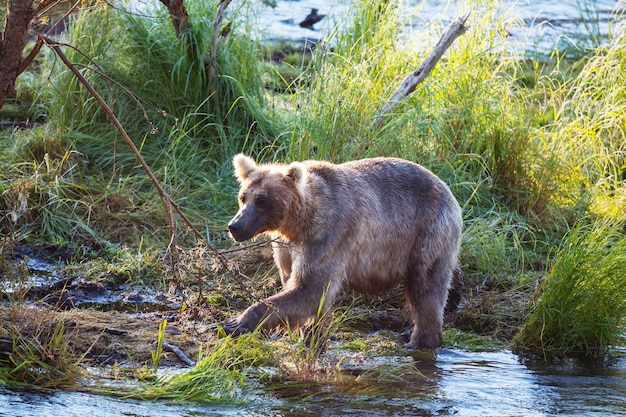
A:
[233,327]
[247,322]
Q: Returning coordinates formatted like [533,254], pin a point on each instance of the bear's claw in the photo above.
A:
[230,327]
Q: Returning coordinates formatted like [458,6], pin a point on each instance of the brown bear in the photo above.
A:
[364,226]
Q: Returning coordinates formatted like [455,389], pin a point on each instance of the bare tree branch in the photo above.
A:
[167,200]
[219,15]
[169,203]
[454,30]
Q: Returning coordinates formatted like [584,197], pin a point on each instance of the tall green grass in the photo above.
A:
[580,308]
[349,70]
[158,87]
[168,76]
[49,194]
[589,130]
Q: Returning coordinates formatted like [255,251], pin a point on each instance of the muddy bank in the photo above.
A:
[111,319]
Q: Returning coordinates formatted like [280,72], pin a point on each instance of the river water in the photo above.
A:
[452,382]
[542,23]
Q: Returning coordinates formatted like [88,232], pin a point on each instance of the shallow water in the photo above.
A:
[452,382]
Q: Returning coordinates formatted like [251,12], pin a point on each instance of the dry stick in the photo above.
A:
[455,29]
[167,200]
[179,354]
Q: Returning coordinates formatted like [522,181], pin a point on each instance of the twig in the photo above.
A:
[247,247]
[179,354]
[169,203]
[454,30]
[167,200]
[117,332]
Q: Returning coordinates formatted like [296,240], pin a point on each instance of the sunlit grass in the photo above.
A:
[580,307]
[219,376]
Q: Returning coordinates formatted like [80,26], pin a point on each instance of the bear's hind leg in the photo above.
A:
[426,292]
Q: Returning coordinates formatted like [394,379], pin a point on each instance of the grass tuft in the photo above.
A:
[42,354]
[218,377]
[580,307]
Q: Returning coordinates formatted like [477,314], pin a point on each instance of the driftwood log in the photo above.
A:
[454,30]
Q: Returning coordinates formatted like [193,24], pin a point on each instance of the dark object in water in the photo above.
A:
[311,19]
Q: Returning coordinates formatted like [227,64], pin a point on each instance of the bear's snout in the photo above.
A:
[234,227]
[245,225]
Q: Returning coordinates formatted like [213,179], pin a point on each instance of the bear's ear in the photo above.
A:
[244,165]
[297,172]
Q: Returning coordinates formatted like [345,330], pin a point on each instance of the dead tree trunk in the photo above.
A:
[13,38]
[456,29]
[178,14]
[212,58]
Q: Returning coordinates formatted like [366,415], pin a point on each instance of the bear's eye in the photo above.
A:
[261,201]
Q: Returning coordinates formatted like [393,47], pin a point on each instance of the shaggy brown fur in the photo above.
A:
[365,226]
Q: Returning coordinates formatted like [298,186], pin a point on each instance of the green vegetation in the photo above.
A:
[217,377]
[534,149]
[580,307]
[42,354]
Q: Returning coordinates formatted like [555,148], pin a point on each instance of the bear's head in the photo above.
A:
[269,198]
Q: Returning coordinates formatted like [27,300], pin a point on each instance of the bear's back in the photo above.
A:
[390,185]
[380,212]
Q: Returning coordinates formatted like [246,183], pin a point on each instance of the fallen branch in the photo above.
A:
[454,30]
[168,202]
[179,354]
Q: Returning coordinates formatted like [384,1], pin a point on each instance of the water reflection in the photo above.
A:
[474,384]
[596,389]
[484,383]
